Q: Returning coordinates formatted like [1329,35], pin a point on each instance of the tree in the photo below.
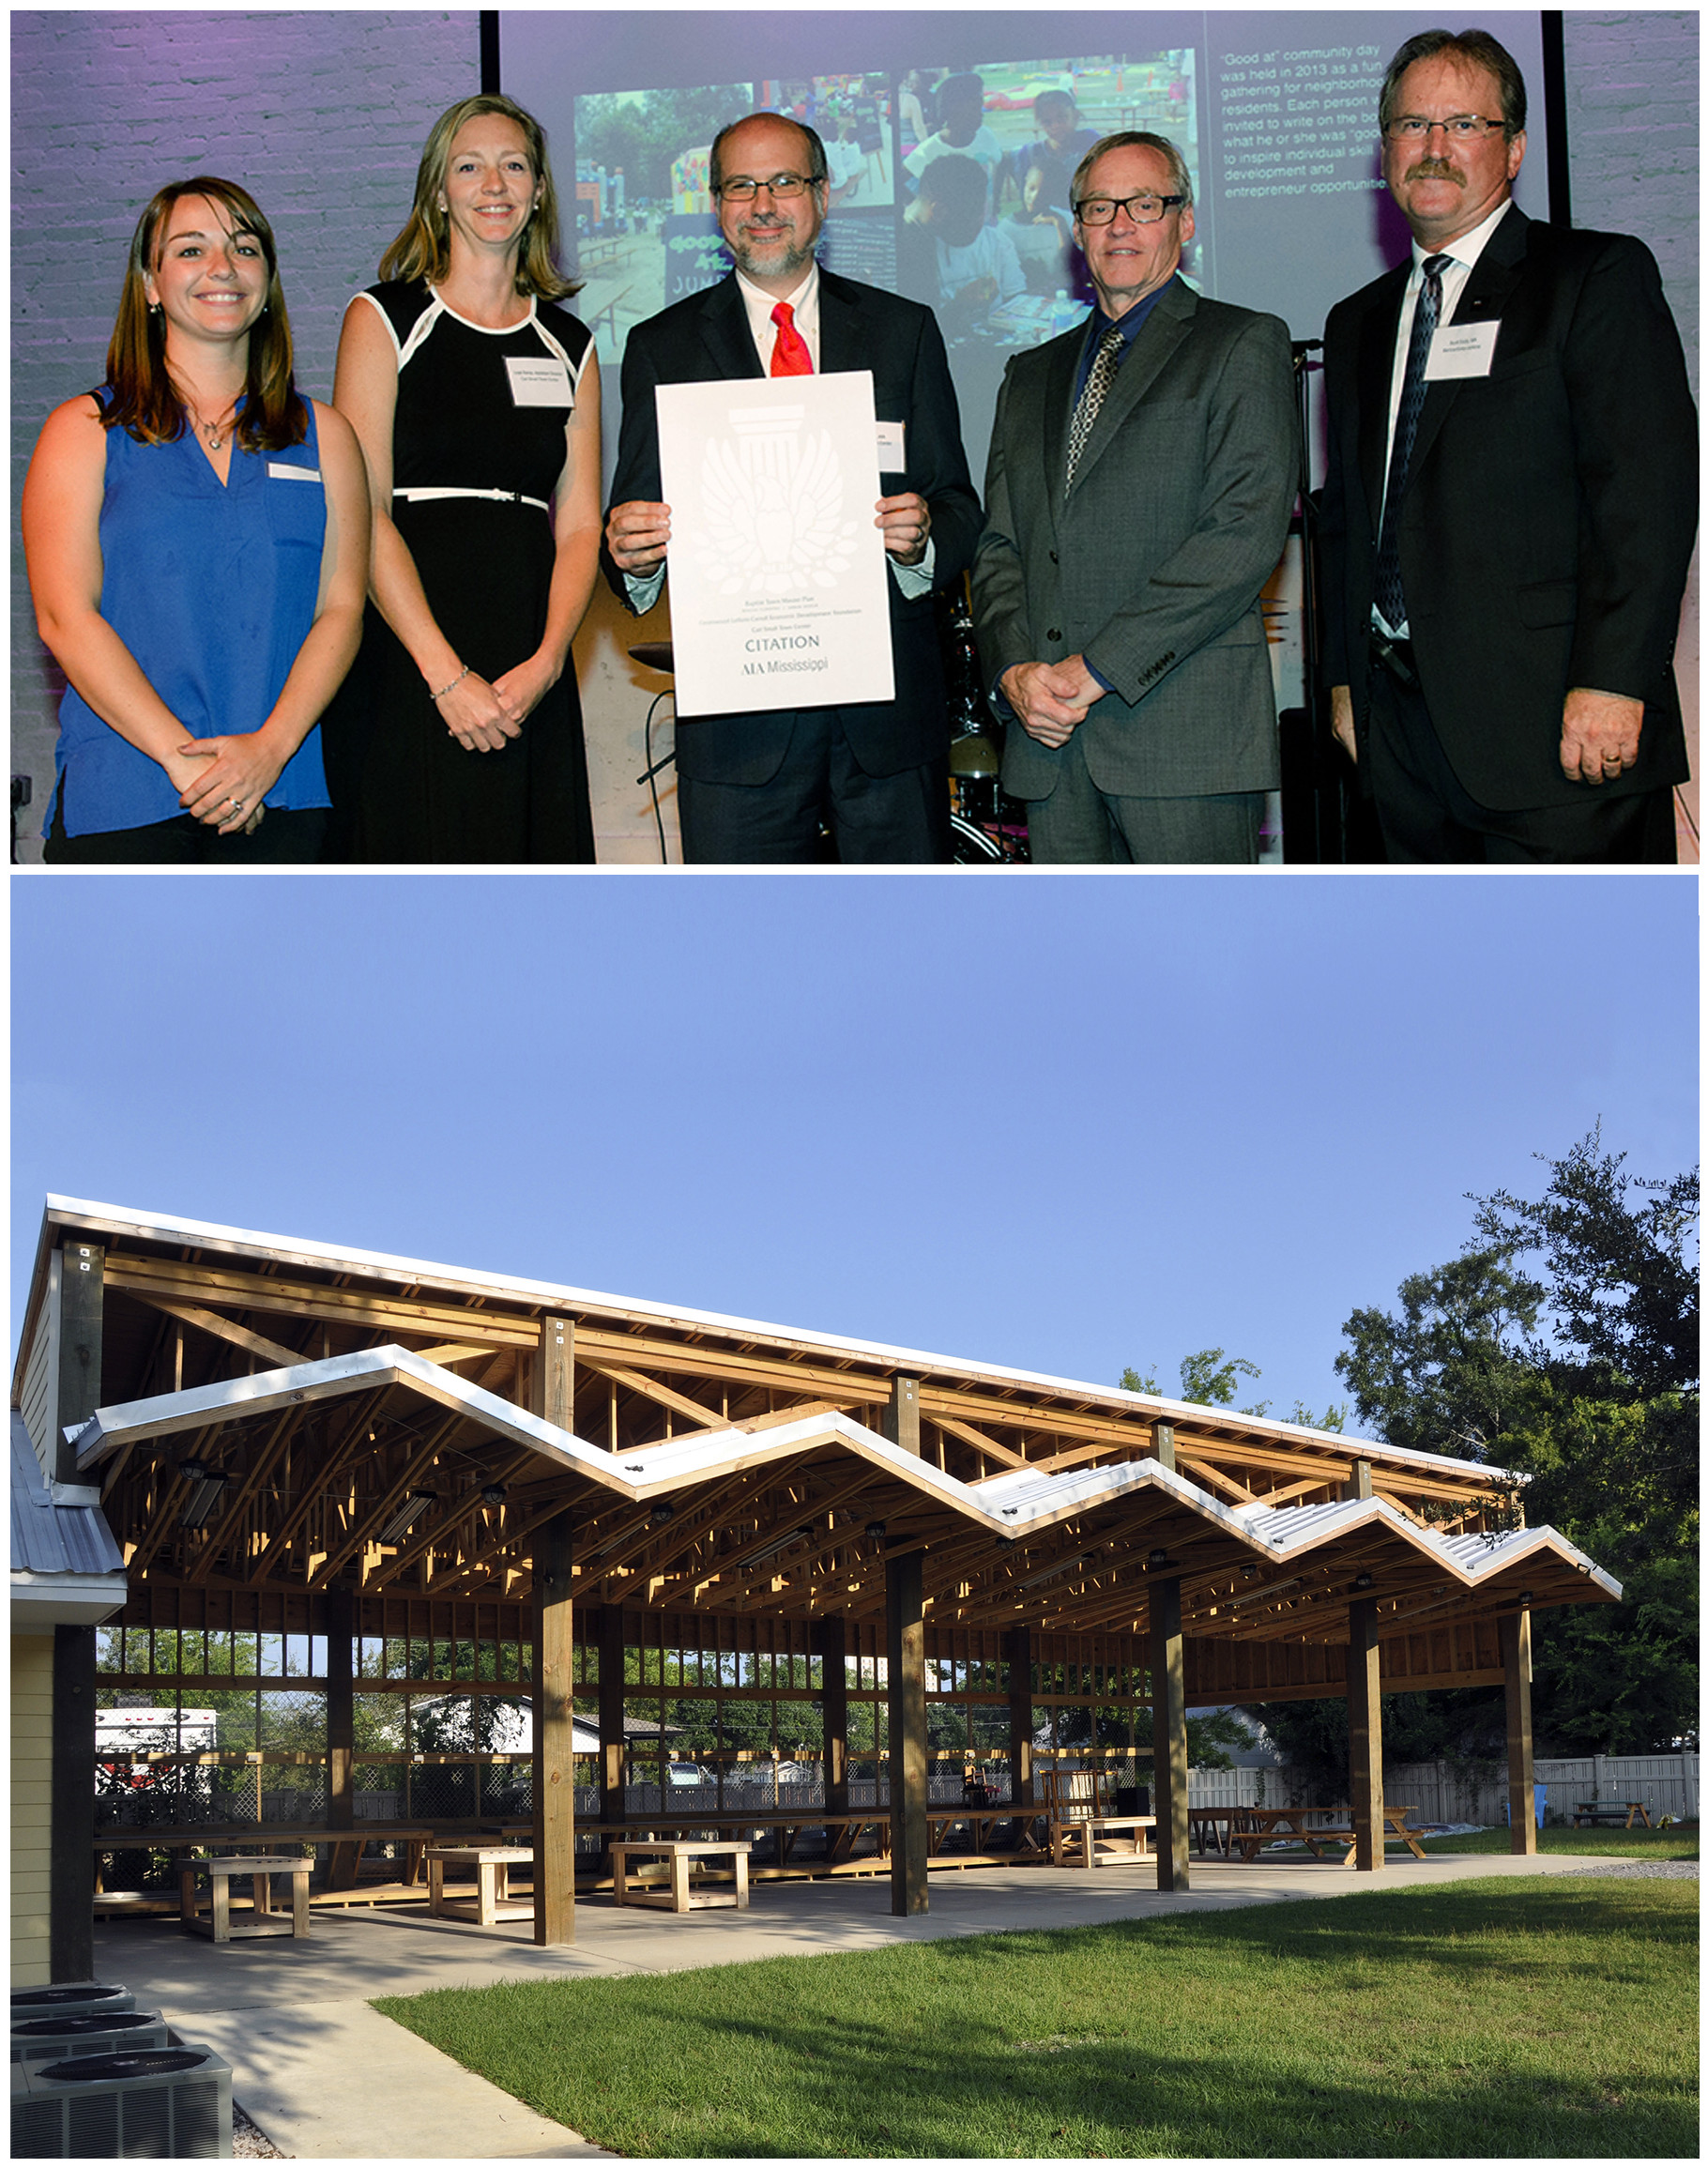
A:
[1583,1378]
[1210,1380]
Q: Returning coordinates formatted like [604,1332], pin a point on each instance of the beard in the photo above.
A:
[771,262]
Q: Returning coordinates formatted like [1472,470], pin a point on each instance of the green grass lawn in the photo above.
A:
[1506,2017]
[1680,1843]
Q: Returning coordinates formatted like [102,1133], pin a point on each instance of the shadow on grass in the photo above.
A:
[1535,2020]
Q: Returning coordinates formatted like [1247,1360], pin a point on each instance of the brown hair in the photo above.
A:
[144,398]
[422,250]
[1474,48]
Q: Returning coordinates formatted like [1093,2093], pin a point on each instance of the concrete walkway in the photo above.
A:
[328,2078]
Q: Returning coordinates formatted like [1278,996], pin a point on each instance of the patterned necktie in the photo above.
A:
[790,356]
[1096,390]
[1389,596]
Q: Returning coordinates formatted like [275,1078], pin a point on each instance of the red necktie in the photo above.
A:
[789,357]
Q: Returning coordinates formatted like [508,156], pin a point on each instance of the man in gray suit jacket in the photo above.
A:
[1142,474]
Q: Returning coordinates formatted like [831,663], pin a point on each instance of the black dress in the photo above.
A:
[473,472]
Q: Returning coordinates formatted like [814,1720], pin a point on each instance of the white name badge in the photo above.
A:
[542,382]
[892,448]
[1461,350]
[278,471]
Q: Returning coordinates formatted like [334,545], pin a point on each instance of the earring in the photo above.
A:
[154,308]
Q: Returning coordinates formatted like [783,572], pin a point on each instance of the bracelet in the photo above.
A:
[454,684]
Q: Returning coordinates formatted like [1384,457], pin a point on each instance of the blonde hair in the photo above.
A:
[422,250]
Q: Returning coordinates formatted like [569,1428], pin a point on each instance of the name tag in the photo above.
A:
[544,382]
[891,447]
[1461,350]
[278,471]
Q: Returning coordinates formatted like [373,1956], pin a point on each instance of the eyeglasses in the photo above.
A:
[1143,210]
[781,187]
[1462,128]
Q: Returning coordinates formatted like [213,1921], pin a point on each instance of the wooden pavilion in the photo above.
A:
[279,1431]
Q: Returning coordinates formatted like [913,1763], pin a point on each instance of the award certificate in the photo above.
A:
[779,590]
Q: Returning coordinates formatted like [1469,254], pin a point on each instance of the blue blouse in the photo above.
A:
[212,588]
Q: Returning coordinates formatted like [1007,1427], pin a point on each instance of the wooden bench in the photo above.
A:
[260,1868]
[1076,1805]
[1600,1812]
[490,1900]
[680,1855]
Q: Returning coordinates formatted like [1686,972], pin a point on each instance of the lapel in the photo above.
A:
[1376,385]
[845,340]
[724,333]
[1168,326]
[1493,276]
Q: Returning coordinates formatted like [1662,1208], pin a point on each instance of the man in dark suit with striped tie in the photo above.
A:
[753,789]
[1142,473]
[1510,505]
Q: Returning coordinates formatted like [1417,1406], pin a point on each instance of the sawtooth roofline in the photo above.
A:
[1005,1504]
[95,1218]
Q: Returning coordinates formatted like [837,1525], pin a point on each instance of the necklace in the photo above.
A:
[213,431]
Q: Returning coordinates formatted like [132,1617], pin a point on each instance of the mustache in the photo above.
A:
[1436,169]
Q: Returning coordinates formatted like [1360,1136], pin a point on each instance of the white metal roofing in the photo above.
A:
[291,1249]
[1008,1505]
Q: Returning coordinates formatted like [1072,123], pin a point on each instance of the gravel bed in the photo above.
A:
[249,2144]
[1664,1869]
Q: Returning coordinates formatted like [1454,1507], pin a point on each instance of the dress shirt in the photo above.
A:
[1464,252]
[644,589]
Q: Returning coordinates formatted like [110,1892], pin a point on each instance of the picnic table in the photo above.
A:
[260,1868]
[1259,1825]
[680,1853]
[1596,1811]
[492,1900]
[844,1830]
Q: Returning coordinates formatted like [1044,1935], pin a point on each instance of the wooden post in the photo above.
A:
[613,1737]
[1020,1715]
[77,1393]
[1521,1753]
[901,1415]
[341,1732]
[905,1618]
[554,1735]
[831,1646]
[553,1396]
[1362,1482]
[1363,1716]
[1169,1735]
[1163,1435]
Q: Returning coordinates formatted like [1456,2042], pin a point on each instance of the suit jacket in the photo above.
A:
[1550,507]
[707,336]
[1153,562]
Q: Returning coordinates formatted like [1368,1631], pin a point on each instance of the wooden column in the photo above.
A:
[831,1646]
[1169,1735]
[1020,1725]
[341,1732]
[901,1416]
[613,1737]
[72,1844]
[905,1618]
[1363,1716]
[553,1394]
[1362,1482]
[1521,1753]
[554,1735]
[77,1388]
[1163,1435]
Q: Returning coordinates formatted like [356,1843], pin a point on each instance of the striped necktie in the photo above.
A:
[1390,595]
[790,356]
[1091,400]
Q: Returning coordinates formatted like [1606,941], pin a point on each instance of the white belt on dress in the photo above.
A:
[495,496]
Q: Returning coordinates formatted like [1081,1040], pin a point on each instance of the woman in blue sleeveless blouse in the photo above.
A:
[197,540]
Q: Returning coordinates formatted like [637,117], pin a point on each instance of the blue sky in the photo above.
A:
[1060,1123]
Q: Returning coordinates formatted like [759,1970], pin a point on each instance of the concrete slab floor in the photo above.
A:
[328,2078]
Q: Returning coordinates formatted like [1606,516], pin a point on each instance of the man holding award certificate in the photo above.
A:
[755,782]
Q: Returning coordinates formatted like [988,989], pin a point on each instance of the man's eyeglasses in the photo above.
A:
[1143,210]
[780,187]
[1462,128]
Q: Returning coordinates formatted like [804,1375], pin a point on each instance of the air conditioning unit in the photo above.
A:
[98,2032]
[156,2105]
[75,1999]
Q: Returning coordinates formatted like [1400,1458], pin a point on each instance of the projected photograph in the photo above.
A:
[855,116]
[986,157]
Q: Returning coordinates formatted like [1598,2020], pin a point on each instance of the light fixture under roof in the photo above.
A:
[781,1543]
[1158,1558]
[875,1531]
[493,1494]
[407,1514]
[1361,1581]
[206,1488]
[663,1514]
